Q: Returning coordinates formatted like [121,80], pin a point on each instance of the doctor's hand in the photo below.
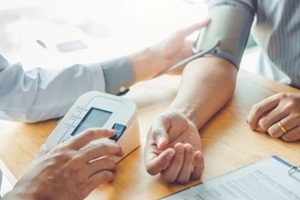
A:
[67,172]
[278,115]
[173,149]
[175,48]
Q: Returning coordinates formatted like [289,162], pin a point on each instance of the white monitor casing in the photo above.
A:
[121,111]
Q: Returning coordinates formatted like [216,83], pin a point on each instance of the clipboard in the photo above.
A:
[269,179]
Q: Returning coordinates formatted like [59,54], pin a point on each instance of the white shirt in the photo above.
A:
[41,94]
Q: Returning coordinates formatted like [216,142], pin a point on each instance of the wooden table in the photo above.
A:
[227,140]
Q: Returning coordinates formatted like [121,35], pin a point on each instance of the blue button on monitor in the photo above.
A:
[119,129]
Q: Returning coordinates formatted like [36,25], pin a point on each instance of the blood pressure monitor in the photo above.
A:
[95,110]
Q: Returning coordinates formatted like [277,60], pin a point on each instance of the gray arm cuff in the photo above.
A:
[118,75]
[230,25]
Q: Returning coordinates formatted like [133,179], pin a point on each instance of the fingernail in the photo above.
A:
[180,150]
[160,140]
[189,149]
[170,156]
[198,155]
[43,149]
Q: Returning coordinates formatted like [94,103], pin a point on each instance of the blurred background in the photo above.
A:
[57,33]
[107,28]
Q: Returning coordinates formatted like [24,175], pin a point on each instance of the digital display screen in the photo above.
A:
[95,118]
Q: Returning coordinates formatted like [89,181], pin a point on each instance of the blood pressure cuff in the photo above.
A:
[230,25]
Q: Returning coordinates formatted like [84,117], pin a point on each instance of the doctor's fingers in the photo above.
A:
[43,150]
[99,178]
[84,186]
[186,31]
[103,148]
[88,136]
[102,164]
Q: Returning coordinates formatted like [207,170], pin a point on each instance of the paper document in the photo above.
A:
[5,186]
[269,179]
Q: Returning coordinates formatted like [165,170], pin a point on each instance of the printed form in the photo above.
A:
[270,178]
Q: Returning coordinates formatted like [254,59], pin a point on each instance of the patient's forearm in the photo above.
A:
[207,84]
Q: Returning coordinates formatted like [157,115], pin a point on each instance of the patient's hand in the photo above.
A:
[173,148]
[278,115]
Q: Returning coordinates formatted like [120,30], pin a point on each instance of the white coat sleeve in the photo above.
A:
[41,94]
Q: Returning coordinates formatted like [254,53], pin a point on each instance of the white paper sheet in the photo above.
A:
[267,179]
[5,186]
